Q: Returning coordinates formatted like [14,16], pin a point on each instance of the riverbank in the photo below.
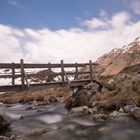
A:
[46,96]
[54,122]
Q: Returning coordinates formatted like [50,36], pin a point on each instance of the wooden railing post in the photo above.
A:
[91,70]
[22,74]
[62,72]
[13,74]
[49,72]
[76,71]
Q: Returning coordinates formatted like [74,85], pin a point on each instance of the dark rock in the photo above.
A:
[99,117]
[79,99]
[82,95]
[4,138]
[5,121]
[136,113]
[22,117]
[29,108]
[53,99]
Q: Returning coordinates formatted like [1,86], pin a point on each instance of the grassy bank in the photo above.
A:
[46,95]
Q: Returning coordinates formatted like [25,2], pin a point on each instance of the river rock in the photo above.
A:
[99,117]
[121,110]
[36,132]
[5,121]
[92,87]
[4,138]
[136,82]
[53,99]
[129,108]
[118,115]
[125,86]
[93,110]
[136,113]
[95,103]
[81,96]
[79,111]
[133,110]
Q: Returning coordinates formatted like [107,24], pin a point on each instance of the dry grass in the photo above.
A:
[39,95]
[113,101]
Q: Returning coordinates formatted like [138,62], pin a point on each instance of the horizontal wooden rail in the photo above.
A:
[30,66]
[32,75]
[43,85]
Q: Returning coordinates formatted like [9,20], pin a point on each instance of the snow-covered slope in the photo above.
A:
[119,58]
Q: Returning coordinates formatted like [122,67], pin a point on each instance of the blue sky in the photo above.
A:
[56,14]
[72,30]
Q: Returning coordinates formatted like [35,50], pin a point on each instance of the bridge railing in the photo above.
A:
[49,66]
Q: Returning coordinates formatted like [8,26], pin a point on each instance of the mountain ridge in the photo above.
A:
[117,59]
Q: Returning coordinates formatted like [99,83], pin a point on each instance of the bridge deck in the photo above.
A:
[74,83]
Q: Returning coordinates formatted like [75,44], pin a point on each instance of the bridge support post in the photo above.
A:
[91,71]
[13,74]
[22,74]
[62,72]
[76,71]
[49,73]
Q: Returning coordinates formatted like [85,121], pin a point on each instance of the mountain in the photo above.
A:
[119,58]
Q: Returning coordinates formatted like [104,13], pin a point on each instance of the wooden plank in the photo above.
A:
[43,85]
[22,74]
[28,65]
[30,75]
[8,65]
[13,74]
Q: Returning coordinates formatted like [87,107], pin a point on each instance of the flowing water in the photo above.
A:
[60,126]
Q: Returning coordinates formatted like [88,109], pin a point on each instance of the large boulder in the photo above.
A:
[80,98]
[5,121]
[82,95]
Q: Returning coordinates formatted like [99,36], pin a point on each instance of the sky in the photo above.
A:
[72,30]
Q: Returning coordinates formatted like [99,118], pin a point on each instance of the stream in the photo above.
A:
[59,125]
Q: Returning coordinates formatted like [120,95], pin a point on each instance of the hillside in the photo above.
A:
[117,59]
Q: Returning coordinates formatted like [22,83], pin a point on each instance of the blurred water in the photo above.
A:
[61,126]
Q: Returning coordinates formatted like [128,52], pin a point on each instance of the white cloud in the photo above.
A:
[134,5]
[15,3]
[71,45]
[103,13]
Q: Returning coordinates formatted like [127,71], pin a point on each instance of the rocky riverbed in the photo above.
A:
[53,122]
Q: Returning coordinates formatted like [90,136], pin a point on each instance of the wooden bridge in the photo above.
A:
[63,75]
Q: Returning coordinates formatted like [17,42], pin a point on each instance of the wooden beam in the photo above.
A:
[30,65]
[91,70]
[62,72]
[42,85]
[22,74]
[13,74]
[33,74]
[76,71]
[49,73]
